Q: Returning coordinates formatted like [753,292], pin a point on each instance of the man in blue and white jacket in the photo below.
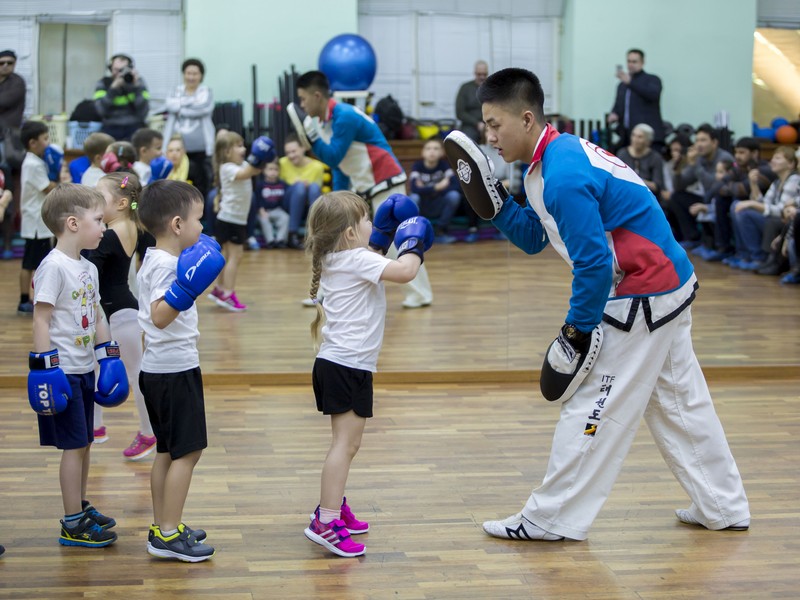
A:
[632,286]
[353,146]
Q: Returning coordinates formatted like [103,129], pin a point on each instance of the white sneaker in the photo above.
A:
[517,527]
[309,303]
[415,303]
[684,516]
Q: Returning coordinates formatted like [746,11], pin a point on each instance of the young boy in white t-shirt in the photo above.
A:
[35,182]
[69,333]
[147,143]
[175,271]
[95,147]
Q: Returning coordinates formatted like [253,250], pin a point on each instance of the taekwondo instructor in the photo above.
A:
[632,289]
[351,143]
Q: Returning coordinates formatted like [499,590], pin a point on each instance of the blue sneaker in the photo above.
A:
[750,265]
[702,252]
[792,278]
[86,533]
[103,521]
[689,244]
[471,237]
[731,260]
[717,256]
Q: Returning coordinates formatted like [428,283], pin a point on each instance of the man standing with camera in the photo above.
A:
[122,99]
[638,100]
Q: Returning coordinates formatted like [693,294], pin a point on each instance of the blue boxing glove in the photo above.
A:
[53,157]
[112,382]
[48,387]
[415,236]
[198,267]
[262,152]
[393,211]
[160,168]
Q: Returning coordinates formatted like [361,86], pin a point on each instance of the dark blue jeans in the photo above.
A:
[297,200]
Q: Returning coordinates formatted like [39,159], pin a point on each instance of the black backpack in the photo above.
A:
[85,112]
[389,117]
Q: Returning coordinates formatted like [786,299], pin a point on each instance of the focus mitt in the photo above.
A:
[568,361]
[303,125]
[475,171]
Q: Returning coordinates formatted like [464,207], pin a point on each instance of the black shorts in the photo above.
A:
[339,389]
[228,232]
[176,408]
[35,251]
[72,428]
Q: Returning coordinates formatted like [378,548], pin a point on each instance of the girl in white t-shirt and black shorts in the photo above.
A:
[234,179]
[352,276]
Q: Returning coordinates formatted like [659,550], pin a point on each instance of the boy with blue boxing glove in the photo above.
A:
[69,333]
[179,268]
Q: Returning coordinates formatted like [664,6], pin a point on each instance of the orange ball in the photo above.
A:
[786,134]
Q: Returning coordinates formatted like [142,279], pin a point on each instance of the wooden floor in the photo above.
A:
[495,310]
[436,461]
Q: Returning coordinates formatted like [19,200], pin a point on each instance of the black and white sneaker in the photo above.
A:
[517,527]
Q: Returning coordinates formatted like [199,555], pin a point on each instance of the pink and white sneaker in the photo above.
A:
[333,536]
[215,294]
[100,435]
[231,303]
[141,446]
[354,526]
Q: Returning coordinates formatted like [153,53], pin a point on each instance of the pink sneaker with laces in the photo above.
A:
[354,526]
[231,303]
[141,446]
[215,294]
[100,435]
[333,536]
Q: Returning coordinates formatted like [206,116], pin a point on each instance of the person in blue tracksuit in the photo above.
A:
[633,280]
[360,158]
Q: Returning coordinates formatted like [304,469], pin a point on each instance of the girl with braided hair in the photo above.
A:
[348,332]
[112,258]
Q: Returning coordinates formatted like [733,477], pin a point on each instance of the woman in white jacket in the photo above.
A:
[189,110]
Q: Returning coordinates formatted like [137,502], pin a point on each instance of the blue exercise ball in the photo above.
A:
[349,62]
[778,122]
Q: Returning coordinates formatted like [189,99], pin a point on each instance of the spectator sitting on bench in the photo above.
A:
[434,189]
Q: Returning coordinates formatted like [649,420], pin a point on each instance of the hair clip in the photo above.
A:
[124,183]
[134,205]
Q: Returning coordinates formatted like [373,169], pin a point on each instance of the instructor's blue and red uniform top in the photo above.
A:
[352,144]
[606,224]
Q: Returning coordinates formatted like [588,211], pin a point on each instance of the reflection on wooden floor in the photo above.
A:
[436,461]
[495,309]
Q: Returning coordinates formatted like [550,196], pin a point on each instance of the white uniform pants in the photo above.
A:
[418,290]
[638,374]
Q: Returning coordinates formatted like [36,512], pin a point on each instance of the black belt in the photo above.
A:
[383,186]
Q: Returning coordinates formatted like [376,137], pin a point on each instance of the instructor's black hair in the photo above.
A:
[316,80]
[514,86]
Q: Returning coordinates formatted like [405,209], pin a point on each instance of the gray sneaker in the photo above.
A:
[181,545]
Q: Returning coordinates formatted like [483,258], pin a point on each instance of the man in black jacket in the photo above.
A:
[638,101]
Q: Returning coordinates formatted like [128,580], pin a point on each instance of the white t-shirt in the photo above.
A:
[143,172]
[71,286]
[355,308]
[174,348]
[234,204]
[91,176]
[33,181]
